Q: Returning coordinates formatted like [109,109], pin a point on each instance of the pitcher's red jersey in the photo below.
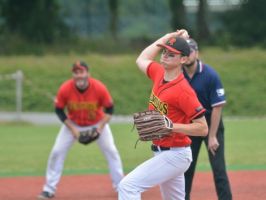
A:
[84,108]
[175,99]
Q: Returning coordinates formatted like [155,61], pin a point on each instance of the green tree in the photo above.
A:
[246,25]
[203,32]
[113,6]
[35,20]
[178,14]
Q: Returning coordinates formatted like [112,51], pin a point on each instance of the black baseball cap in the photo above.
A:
[177,45]
[192,44]
[80,65]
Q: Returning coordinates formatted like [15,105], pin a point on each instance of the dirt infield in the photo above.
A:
[246,185]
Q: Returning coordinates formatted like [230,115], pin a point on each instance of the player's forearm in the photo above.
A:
[198,127]
[150,52]
[72,128]
[60,114]
[63,117]
[215,120]
[104,121]
[107,117]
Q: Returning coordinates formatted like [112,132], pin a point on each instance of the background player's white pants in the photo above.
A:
[63,143]
[166,168]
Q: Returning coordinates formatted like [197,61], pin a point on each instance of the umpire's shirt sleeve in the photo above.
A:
[217,93]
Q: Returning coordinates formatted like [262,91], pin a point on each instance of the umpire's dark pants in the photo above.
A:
[217,162]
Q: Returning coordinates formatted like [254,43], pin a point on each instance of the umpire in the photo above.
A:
[206,83]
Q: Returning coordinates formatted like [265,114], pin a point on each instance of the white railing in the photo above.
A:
[18,77]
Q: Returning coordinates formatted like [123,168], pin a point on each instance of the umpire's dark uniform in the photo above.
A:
[210,92]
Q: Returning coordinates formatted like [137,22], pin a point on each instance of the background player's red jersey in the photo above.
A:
[84,108]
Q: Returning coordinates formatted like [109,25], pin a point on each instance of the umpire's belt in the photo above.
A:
[160,148]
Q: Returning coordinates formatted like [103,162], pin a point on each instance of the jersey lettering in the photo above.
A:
[158,104]
[89,106]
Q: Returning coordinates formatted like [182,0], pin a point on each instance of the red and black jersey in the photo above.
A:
[84,108]
[175,99]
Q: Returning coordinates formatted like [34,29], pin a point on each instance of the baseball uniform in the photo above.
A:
[85,110]
[172,155]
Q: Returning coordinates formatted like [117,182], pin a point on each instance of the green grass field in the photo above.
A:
[242,72]
[24,149]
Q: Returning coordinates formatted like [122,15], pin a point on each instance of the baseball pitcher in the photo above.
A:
[178,114]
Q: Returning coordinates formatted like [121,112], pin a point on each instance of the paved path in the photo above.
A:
[40,118]
[47,118]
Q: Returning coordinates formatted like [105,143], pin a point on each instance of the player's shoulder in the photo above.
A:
[154,70]
[67,84]
[97,83]
[185,92]
[66,88]
[209,70]
[157,66]
[184,87]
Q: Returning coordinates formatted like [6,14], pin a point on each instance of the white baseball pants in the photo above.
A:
[166,169]
[64,142]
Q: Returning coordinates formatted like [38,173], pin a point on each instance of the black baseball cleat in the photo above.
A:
[45,195]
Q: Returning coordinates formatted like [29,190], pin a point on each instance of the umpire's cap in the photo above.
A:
[177,45]
[192,44]
[80,65]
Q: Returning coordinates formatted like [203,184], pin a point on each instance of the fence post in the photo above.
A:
[19,88]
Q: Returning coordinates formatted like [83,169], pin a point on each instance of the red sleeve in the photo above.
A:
[106,98]
[154,69]
[61,97]
[190,104]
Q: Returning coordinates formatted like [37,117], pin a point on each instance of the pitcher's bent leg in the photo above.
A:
[163,167]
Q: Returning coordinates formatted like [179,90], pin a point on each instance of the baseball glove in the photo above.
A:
[88,136]
[152,125]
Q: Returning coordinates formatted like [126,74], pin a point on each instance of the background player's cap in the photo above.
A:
[177,45]
[80,65]
[192,44]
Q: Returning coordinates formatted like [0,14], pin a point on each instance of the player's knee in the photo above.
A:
[111,152]
[57,153]
[123,186]
[126,187]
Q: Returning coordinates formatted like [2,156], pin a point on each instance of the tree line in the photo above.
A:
[43,20]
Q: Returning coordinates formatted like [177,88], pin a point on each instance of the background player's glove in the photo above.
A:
[152,125]
[88,136]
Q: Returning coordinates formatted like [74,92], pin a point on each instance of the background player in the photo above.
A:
[85,98]
[210,92]
[173,97]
